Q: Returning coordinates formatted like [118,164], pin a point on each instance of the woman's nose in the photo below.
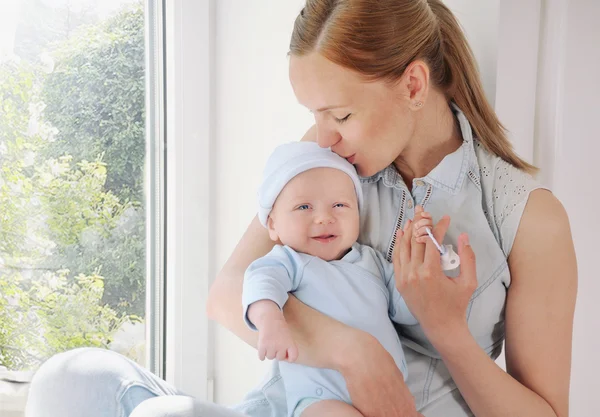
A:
[326,138]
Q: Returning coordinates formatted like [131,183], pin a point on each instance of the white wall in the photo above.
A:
[255,110]
[565,84]
[576,184]
[480,23]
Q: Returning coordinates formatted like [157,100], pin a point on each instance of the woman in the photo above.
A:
[394,89]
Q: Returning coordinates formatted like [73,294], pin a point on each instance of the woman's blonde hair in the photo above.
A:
[380,38]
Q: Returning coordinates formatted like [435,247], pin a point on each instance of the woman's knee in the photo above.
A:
[80,365]
[72,378]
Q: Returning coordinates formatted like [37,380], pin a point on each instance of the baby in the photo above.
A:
[309,201]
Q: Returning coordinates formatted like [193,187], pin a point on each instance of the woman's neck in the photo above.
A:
[437,134]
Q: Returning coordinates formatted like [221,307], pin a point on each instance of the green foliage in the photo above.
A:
[49,315]
[72,222]
[95,98]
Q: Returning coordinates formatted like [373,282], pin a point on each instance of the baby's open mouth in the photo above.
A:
[324,238]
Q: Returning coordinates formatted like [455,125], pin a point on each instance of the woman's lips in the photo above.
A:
[325,238]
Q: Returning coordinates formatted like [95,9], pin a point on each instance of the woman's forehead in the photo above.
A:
[320,84]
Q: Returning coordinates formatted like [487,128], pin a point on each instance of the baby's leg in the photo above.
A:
[331,408]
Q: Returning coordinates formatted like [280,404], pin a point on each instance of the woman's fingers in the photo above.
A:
[401,254]
[396,253]
[406,244]
[432,254]
[468,265]
[440,229]
[417,249]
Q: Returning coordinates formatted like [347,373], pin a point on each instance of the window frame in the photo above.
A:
[189,248]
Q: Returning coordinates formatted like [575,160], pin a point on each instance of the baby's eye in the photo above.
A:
[340,205]
[303,207]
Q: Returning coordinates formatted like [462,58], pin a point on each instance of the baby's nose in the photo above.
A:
[324,218]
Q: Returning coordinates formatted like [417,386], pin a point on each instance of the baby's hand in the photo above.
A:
[275,341]
[420,226]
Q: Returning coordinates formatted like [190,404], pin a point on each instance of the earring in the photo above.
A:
[419,104]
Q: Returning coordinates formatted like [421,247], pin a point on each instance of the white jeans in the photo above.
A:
[91,382]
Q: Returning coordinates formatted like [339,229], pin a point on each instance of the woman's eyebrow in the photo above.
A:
[322,109]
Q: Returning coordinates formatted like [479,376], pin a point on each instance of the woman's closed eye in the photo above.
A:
[343,119]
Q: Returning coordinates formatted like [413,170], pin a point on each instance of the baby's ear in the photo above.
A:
[271,228]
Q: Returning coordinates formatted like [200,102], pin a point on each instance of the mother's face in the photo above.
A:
[369,123]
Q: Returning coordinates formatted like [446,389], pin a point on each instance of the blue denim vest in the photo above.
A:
[485,197]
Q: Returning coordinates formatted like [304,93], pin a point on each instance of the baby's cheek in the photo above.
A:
[299,232]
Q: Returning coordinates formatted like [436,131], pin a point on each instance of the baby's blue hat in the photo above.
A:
[291,159]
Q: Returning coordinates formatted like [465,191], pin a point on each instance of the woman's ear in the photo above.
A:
[416,83]
[271,228]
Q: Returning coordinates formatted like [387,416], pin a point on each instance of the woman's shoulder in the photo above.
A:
[505,191]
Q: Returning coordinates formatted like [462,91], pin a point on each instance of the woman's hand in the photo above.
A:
[375,383]
[437,301]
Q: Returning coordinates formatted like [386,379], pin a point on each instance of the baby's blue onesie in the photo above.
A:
[358,290]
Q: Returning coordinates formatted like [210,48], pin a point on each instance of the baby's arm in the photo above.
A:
[267,282]
[274,336]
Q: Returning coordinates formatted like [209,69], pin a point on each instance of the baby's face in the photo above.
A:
[317,213]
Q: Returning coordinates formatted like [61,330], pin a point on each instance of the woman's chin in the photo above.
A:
[366,172]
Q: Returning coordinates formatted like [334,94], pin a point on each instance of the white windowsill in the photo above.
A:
[14,387]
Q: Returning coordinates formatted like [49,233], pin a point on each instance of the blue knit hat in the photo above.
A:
[294,158]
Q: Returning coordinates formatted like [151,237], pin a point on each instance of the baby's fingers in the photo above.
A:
[292,353]
[262,352]
[281,354]
[271,352]
[420,229]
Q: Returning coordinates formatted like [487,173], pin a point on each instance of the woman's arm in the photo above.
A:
[539,324]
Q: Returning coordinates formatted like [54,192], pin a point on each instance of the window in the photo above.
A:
[81,185]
